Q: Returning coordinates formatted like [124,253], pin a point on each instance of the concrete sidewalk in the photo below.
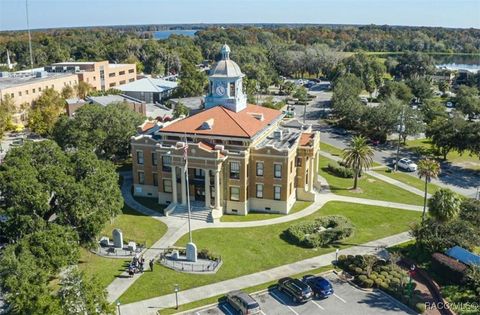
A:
[151,306]
[384,178]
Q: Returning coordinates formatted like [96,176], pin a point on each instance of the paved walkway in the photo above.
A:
[151,306]
[177,227]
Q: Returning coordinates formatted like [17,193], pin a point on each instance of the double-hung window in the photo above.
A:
[259,191]
[154,158]
[140,157]
[259,168]
[277,170]
[167,163]
[234,193]
[141,178]
[235,170]
[277,192]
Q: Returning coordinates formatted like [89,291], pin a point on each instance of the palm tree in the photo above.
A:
[429,169]
[358,156]
[444,205]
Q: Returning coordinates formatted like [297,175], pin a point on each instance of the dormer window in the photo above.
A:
[207,125]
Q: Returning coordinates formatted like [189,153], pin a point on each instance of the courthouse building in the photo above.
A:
[241,157]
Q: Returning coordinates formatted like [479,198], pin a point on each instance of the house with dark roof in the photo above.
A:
[239,157]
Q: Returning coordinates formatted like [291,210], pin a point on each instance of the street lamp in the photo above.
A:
[118,307]
[176,289]
[336,255]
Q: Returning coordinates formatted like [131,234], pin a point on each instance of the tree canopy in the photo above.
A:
[106,130]
[45,112]
[41,184]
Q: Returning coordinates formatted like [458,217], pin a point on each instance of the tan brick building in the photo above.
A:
[26,87]
[240,159]
[101,74]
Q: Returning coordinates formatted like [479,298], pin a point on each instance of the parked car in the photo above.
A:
[321,287]
[407,165]
[299,291]
[243,303]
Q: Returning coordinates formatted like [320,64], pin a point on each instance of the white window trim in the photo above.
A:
[256,190]
[274,171]
[274,187]
[263,168]
[230,192]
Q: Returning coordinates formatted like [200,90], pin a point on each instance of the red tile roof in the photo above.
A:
[244,124]
[305,139]
[148,125]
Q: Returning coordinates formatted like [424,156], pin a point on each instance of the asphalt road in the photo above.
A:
[460,180]
[346,300]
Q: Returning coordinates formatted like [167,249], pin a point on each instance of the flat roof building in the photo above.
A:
[241,157]
[26,87]
[101,75]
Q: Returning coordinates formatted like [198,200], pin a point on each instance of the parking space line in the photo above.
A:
[263,313]
[281,301]
[321,307]
[339,298]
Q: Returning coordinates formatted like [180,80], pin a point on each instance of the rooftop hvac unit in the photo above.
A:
[277,134]
[41,74]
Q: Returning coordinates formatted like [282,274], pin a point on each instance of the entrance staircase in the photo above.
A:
[198,212]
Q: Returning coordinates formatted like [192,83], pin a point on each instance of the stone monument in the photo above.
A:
[117,238]
[191,252]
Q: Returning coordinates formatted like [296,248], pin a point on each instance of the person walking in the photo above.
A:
[151,264]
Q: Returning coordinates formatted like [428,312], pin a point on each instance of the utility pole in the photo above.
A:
[401,129]
[29,36]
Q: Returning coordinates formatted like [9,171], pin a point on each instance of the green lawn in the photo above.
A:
[371,188]
[410,180]
[136,227]
[249,250]
[335,151]
[151,203]
[298,206]
[465,160]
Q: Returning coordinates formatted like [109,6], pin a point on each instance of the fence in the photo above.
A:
[201,265]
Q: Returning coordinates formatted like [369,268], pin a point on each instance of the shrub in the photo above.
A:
[450,268]
[358,270]
[206,254]
[368,283]
[320,232]
[362,278]
[383,286]
[384,273]
[350,257]
[378,282]
[341,258]
[340,171]
[395,281]
[352,267]
[420,307]
[373,277]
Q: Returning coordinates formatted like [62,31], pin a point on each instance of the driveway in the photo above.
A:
[460,180]
[346,300]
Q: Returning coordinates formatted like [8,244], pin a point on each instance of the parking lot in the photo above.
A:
[346,300]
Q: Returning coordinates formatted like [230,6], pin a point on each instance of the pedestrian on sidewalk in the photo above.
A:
[151,264]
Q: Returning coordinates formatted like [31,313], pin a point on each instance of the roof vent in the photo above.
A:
[258,116]
[277,134]
[207,124]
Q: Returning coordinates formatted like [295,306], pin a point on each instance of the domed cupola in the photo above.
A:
[225,84]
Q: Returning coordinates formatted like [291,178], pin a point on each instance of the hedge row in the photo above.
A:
[449,268]
[320,232]
[340,171]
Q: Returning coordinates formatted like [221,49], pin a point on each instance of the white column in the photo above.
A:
[183,186]
[312,173]
[174,184]
[217,189]
[207,188]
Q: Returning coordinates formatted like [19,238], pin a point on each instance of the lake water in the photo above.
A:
[166,34]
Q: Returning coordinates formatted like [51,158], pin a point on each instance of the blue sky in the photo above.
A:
[64,13]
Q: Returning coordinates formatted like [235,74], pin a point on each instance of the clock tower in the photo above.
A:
[225,84]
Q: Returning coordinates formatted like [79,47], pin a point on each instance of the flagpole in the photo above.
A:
[188,190]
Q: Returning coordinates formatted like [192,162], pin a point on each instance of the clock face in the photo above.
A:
[220,90]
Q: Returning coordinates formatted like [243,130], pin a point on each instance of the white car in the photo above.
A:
[407,165]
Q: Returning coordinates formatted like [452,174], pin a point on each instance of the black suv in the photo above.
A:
[299,291]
